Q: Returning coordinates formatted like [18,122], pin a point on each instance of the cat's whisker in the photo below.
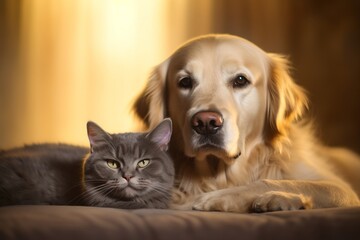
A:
[160,189]
[80,186]
[91,192]
[105,190]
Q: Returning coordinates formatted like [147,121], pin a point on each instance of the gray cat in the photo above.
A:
[128,170]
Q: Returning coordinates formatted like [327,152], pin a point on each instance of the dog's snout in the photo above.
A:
[206,123]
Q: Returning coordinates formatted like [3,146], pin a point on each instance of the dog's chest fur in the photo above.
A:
[199,176]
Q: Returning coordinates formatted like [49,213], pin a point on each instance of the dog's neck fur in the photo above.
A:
[262,161]
[195,176]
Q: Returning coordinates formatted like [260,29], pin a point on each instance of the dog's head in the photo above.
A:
[224,95]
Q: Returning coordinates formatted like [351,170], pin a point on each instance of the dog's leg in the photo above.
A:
[274,195]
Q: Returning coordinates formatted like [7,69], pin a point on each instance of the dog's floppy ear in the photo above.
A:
[286,101]
[150,104]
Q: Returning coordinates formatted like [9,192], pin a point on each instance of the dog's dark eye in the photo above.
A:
[240,82]
[185,83]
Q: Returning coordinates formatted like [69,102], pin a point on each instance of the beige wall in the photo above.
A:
[66,62]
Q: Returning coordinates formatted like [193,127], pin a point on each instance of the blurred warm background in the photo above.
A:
[64,62]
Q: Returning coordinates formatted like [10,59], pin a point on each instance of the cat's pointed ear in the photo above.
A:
[97,136]
[161,134]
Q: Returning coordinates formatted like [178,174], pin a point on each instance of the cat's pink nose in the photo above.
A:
[127,177]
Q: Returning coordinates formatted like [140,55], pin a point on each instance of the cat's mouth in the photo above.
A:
[129,189]
[130,192]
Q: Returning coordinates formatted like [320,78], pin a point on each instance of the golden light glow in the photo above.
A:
[85,60]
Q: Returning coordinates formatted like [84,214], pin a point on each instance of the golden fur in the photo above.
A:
[268,158]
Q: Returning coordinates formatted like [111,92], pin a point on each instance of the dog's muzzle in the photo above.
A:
[207,123]
[208,135]
[207,127]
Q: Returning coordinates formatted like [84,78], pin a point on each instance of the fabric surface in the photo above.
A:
[69,222]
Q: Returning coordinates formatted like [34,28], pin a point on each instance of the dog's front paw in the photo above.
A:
[209,202]
[219,201]
[279,201]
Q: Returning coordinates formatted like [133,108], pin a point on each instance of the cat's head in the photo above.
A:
[129,166]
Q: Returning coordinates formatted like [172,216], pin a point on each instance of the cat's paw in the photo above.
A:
[280,201]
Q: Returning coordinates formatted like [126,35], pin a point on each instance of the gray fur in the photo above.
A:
[61,174]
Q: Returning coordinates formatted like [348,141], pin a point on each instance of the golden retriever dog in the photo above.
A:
[240,143]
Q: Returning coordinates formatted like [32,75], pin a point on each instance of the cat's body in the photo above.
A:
[41,174]
[129,170]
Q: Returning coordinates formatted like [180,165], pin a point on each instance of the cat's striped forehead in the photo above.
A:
[131,146]
[128,145]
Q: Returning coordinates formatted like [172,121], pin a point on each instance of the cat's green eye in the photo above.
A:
[143,163]
[113,164]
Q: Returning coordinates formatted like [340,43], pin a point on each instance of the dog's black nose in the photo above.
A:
[206,123]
